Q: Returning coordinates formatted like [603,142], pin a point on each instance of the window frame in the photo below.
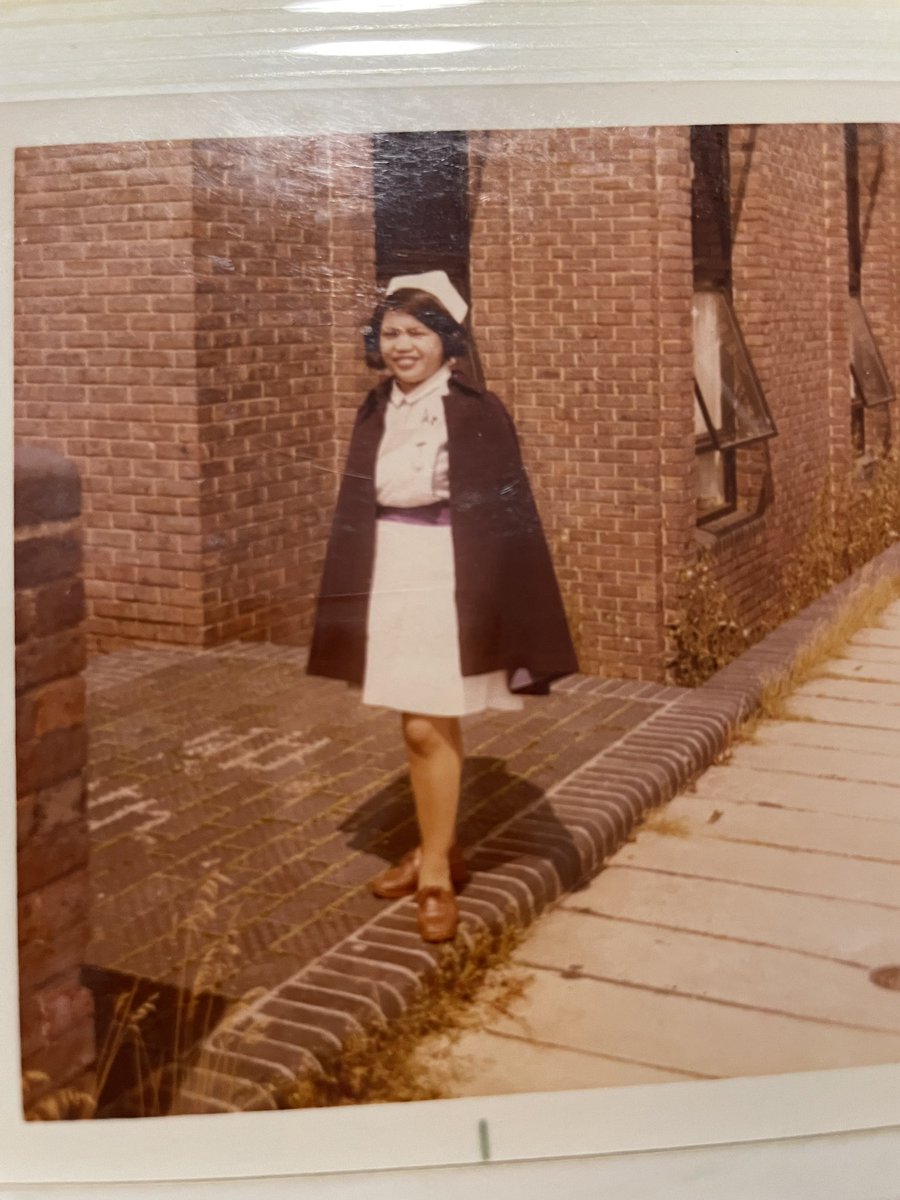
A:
[704,445]
[875,353]
[734,442]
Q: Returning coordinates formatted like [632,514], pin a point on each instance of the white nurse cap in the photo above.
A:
[437,284]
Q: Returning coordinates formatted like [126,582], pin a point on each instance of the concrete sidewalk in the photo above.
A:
[752,928]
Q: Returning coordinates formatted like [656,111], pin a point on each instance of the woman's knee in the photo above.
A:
[423,735]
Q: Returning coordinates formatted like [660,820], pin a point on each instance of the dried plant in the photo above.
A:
[205,959]
[384,1064]
[708,633]
[854,519]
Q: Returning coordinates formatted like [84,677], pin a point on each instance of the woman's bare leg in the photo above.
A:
[434,751]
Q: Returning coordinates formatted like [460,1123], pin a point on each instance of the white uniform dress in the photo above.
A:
[412,650]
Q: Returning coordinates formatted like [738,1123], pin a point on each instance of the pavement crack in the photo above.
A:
[718,937]
[762,887]
[605,1054]
[675,993]
[739,841]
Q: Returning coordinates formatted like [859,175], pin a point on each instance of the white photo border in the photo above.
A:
[604,1121]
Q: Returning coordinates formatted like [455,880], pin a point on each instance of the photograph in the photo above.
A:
[457,614]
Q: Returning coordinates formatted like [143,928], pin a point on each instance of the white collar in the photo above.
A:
[434,386]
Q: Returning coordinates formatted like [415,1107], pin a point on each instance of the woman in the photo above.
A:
[438,595]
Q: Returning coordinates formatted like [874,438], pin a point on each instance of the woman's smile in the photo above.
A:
[411,351]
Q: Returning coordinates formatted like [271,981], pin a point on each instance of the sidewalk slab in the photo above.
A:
[876,671]
[696,1035]
[857,739]
[770,788]
[844,712]
[827,833]
[855,653]
[854,933]
[737,972]
[767,867]
[863,692]
[821,762]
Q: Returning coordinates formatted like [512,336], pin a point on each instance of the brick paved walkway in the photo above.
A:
[238,807]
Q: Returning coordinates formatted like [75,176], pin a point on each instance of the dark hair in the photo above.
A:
[425,308]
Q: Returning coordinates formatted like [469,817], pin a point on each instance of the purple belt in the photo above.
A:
[426,514]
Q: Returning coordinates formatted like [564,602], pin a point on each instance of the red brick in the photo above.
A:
[47,759]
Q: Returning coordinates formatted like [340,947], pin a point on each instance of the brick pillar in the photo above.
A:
[581,279]
[51,747]
[188,332]
[790,295]
[283,252]
[878,164]
[106,371]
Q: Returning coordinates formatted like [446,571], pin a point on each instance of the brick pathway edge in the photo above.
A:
[547,850]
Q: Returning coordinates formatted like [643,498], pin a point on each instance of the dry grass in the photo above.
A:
[658,822]
[387,1064]
[854,519]
[863,609]
[206,960]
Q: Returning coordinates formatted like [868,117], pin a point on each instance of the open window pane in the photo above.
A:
[857,419]
[728,389]
[712,478]
[869,372]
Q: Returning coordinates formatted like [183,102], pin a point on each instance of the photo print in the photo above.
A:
[554,444]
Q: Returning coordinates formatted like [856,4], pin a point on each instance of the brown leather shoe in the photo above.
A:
[403,879]
[438,914]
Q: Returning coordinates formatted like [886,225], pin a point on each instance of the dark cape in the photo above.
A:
[510,611]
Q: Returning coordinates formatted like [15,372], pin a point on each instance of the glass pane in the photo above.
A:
[857,418]
[710,480]
[701,429]
[732,395]
[868,366]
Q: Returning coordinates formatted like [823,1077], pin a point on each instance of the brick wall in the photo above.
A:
[271,310]
[187,328]
[581,279]
[105,370]
[879,198]
[51,745]
[188,332]
[790,295]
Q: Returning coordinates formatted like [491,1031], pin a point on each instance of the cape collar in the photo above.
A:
[437,385]
[380,394]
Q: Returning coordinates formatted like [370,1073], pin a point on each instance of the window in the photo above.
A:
[730,409]
[422,215]
[870,385]
[421,185]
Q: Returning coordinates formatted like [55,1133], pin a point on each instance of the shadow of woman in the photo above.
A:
[502,818]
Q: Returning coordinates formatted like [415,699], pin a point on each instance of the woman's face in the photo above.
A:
[411,351]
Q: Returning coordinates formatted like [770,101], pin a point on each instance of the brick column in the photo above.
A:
[51,748]
[187,332]
[581,278]
[790,289]
[106,371]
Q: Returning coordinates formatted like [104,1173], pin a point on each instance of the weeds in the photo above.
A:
[384,1064]
[853,520]
[665,826]
[126,1046]
[708,634]
[863,608]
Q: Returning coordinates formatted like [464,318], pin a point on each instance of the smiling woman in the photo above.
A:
[438,595]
